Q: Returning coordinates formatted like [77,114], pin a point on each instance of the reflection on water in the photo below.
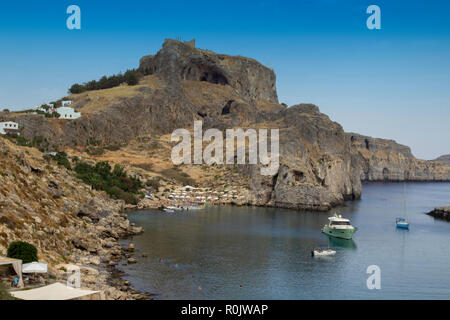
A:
[267,251]
[342,243]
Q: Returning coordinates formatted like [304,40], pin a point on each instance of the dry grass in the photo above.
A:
[100,99]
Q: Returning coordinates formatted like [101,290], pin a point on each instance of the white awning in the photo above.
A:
[55,291]
[17,266]
[34,267]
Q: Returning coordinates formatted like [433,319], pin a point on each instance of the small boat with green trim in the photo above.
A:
[339,227]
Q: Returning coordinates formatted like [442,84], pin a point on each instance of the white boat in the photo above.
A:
[168,210]
[173,208]
[323,252]
[194,208]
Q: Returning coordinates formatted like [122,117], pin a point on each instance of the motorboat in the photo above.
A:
[339,227]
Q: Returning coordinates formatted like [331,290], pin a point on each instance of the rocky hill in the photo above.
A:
[444,158]
[69,223]
[387,160]
[321,165]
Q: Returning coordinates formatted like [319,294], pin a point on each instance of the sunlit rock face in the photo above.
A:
[386,160]
[177,60]
[320,164]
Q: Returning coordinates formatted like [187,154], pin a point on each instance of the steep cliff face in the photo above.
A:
[177,60]
[318,168]
[382,159]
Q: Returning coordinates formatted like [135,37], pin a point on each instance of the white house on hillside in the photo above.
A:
[9,127]
[68,113]
[66,103]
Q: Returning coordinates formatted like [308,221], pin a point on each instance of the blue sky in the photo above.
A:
[388,83]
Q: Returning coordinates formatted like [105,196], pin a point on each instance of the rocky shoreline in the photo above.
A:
[442,213]
[70,224]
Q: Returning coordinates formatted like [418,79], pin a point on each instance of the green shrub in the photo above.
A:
[60,158]
[115,182]
[22,250]
[22,141]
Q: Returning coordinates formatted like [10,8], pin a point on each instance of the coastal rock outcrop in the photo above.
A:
[386,160]
[318,168]
[441,213]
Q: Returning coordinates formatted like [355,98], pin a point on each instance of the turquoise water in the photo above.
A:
[210,254]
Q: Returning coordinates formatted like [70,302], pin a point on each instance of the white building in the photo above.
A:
[68,113]
[66,103]
[40,108]
[9,127]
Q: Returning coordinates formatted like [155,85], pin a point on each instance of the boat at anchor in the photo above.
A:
[339,227]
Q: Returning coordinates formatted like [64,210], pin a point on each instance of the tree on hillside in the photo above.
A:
[23,251]
[131,77]
[77,88]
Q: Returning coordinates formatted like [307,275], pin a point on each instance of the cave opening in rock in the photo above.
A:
[386,174]
[214,77]
[199,70]
[367,144]
[227,107]
[406,175]
[298,175]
